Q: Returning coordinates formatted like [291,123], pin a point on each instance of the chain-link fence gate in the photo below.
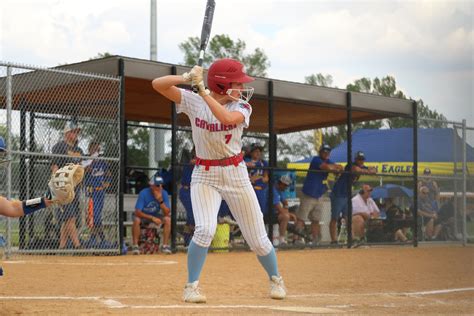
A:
[49,117]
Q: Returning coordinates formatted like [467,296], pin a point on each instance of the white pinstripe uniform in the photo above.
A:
[214,140]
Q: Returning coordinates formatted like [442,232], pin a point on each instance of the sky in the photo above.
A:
[428,46]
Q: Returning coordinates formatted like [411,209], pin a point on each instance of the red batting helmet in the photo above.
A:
[225,71]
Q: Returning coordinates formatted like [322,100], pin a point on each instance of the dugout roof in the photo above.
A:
[297,106]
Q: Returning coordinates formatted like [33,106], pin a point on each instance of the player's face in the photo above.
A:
[238,91]
[359,162]
[282,186]
[156,190]
[367,191]
[324,154]
[236,86]
[256,154]
[72,136]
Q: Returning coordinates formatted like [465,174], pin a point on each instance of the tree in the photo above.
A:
[319,80]
[387,86]
[137,146]
[222,46]
[101,55]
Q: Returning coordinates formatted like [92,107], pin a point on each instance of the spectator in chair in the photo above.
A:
[363,209]
[314,188]
[428,211]
[280,205]
[396,224]
[340,193]
[153,206]
[433,187]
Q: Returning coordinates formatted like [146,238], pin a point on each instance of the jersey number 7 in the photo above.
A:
[227,138]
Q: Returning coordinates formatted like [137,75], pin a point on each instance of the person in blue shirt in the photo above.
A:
[258,177]
[339,192]
[153,206]
[313,189]
[96,180]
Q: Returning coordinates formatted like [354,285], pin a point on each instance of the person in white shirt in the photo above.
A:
[363,209]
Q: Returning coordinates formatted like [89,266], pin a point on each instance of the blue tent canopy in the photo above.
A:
[388,145]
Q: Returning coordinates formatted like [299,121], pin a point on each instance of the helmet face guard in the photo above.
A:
[223,73]
[244,94]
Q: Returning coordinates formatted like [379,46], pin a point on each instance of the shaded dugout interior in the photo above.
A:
[278,106]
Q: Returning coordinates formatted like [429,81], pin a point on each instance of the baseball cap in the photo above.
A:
[325,147]
[360,155]
[285,179]
[156,179]
[427,171]
[71,126]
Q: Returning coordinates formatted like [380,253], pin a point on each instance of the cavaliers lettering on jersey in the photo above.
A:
[213,140]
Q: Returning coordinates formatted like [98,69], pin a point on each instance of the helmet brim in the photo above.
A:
[245,79]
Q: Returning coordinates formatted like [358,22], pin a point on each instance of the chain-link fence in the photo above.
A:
[50,117]
[446,172]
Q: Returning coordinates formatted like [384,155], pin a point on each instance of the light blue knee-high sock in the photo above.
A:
[269,263]
[196,257]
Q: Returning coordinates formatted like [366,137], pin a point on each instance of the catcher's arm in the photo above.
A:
[20,208]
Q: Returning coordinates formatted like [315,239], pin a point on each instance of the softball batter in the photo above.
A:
[218,118]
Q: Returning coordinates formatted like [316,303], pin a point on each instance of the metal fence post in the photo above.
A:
[349,163]
[464,182]
[415,174]
[8,249]
[455,174]
[272,155]
[174,168]
[122,153]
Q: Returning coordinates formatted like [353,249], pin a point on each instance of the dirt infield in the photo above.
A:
[387,280]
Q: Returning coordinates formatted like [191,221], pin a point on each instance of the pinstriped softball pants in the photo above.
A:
[231,183]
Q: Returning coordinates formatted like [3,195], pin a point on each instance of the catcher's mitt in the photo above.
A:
[63,182]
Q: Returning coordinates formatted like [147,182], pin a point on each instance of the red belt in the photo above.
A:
[234,160]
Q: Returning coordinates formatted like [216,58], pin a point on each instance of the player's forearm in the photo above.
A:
[10,208]
[221,113]
[164,83]
[330,167]
[167,87]
[166,210]
[143,215]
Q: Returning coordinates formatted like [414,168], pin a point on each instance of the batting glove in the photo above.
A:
[195,75]
[202,91]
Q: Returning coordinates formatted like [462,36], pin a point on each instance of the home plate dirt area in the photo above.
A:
[376,280]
